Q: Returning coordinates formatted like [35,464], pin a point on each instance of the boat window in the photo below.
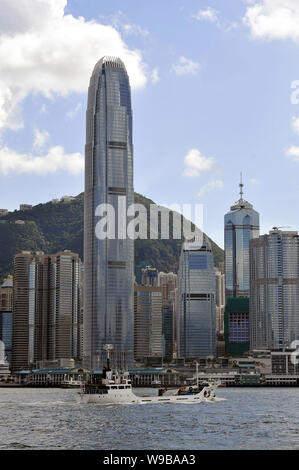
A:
[127,386]
[122,387]
[114,387]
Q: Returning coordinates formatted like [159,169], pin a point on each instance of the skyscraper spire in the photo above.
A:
[241,225]
[241,187]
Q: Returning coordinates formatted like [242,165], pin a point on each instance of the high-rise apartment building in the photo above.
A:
[274,293]
[148,341]
[168,282]
[6,317]
[174,305]
[197,299]
[241,225]
[46,308]
[220,300]
[108,261]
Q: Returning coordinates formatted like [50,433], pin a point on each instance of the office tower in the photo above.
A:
[241,225]
[220,300]
[168,282]
[108,262]
[149,276]
[6,317]
[25,297]
[274,290]
[46,308]
[236,326]
[148,341]
[138,271]
[197,298]
[174,302]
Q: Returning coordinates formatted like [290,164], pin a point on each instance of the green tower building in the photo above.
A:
[236,326]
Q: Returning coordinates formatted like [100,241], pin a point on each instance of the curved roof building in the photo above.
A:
[108,260]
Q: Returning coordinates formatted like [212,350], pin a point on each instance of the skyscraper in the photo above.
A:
[148,341]
[197,299]
[274,290]
[241,225]
[108,262]
[6,317]
[168,282]
[220,300]
[46,308]
[149,276]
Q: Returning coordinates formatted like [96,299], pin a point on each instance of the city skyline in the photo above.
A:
[45,156]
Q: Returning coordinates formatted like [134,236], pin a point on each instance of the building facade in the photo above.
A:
[108,261]
[149,276]
[236,326]
[168,282]
[274,294]
[46,308]
[220,301]
[6,317]
[241,224]
[174,302]
[148,323]
[197,299]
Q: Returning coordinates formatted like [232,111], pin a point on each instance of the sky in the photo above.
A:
[215,92]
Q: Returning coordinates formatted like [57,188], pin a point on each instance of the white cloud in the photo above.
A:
[253,181]
[155,78]
[56,159]
[135,30]
[273,19]
[210,186]
[195,163]
[186,67]
[210,14]
[294,153]
[40,138]
[121,22]
[44,51]
[72,113]
[295,124]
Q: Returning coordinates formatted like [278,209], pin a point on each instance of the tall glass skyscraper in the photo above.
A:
[108,262]
[241,224]
[274,294]
[197,298]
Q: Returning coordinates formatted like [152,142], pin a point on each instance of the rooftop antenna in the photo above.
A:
[241,187]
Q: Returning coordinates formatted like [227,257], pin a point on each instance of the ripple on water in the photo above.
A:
[245,419]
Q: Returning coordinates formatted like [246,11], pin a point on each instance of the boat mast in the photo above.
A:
[108,348]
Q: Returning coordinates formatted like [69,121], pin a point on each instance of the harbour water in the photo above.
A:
[248,418]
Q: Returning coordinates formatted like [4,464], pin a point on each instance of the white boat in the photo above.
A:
[156,383]
[71,383]
[114,388]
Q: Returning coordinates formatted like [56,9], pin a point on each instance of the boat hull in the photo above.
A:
[128,397]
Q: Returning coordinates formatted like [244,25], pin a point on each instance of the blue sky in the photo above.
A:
[211,81]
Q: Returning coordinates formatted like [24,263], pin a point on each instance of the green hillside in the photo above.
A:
[53,227]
